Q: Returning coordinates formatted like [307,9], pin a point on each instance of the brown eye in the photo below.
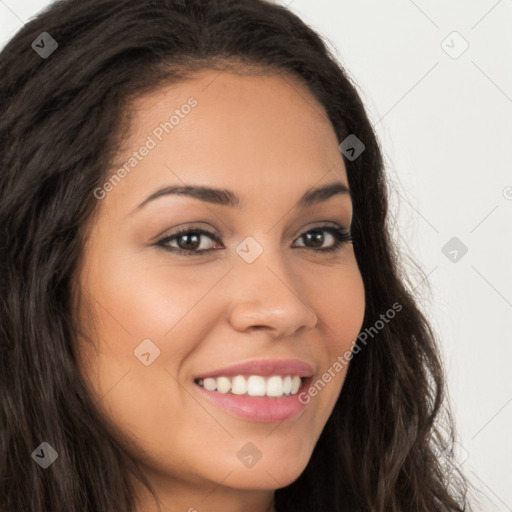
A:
[317,238]
[188,241]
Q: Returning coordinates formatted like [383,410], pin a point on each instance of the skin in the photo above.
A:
[267,139]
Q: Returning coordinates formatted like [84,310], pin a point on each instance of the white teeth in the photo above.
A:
[239,386]
[295,385]
[275,386]
[287,385]
[223,384]
[210,384]
[254,385]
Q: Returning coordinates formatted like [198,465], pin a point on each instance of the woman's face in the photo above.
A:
[255,288]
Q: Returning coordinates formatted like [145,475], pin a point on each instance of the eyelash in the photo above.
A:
[341,235]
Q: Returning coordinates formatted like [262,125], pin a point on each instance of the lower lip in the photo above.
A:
[262,408]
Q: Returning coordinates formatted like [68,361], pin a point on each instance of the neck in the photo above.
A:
[211,498]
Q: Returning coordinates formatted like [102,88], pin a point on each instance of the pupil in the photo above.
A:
[315,236]
[188,238]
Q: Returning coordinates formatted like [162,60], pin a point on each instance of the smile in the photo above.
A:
[253,385]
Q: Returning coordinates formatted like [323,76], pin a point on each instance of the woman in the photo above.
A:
[201,304]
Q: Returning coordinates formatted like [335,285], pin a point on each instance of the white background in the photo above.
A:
[445,126]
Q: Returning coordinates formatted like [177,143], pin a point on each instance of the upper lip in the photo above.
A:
[263,367]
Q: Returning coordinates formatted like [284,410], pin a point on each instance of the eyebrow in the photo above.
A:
[225,197]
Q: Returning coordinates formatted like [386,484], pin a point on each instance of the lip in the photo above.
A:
[263,367]
[259,409]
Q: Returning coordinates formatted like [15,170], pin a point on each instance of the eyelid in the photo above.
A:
[197,226]
[318,225]
[186,226]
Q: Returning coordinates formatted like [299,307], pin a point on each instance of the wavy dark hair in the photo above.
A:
[62,119]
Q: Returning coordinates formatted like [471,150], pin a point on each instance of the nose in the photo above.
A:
[267,296]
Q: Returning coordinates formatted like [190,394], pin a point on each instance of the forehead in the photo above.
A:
[249,132]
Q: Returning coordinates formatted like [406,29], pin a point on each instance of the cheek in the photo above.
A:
[140,305]
[340,304]
[141,296]
[340,307]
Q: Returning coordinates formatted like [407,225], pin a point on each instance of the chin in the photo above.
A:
[266,475]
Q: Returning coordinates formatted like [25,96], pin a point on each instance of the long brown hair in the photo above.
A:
[62,117]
